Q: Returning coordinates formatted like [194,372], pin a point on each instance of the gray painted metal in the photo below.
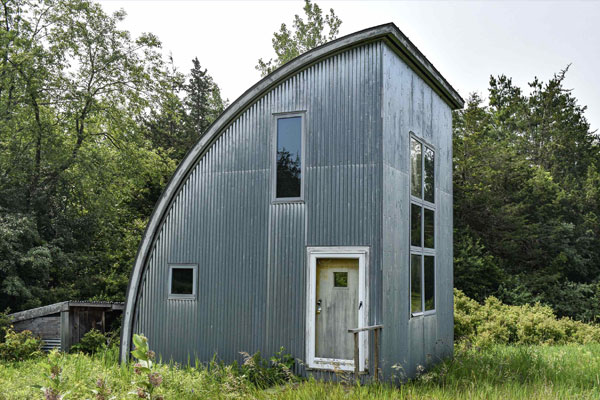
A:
[410,105]
[251,252]
[359,97]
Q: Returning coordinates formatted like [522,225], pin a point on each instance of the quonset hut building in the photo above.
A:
[319,201]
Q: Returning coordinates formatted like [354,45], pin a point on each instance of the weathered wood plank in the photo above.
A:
[44,327]
[39,312]
[65,331]
[365,328]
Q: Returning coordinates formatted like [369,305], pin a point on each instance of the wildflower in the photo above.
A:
[155,379]
[141,394]
[51,394]
[151,354]
[136,368]
[55,371]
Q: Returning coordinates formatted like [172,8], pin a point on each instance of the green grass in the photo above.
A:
[499,372]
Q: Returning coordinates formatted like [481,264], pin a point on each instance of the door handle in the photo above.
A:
[359,305]
[319,306]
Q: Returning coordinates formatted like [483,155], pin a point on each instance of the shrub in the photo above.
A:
[5,323]
[20,346]
[55,388]
[496,323]
[92,342]
[149,379]
[263,374]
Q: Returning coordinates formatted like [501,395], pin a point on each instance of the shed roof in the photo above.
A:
[63,306]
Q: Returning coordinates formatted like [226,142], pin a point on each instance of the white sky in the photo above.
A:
[466,41]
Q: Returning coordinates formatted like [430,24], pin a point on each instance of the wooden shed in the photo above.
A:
[315,211]
[63,324]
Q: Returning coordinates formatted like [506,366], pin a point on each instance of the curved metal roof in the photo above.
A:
[387,32]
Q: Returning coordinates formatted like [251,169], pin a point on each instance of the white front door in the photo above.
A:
[336,302]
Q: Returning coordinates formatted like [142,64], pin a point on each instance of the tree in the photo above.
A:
[289,44]
[183,110]
[72,156]
[203,100]
[524,168]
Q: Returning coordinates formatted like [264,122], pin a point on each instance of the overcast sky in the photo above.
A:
[466,41]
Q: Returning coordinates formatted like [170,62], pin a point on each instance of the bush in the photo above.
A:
[20,346]
[92,342]
[5,323]
[496,323]
[263,374]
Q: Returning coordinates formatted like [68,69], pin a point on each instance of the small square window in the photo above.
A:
[182,281]
[340,279]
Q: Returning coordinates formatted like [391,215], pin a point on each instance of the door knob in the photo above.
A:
[319,306]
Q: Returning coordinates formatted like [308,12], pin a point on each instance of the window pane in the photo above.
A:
[415,283]
[415,225]
[415,168]
[429,281]
[429,229]
[289,152]
[340,279]
[429,175]
[182,281]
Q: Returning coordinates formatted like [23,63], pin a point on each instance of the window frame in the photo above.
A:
[422,251]
[179,296]
[277,117]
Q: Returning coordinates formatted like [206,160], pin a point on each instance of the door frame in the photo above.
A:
[313,253]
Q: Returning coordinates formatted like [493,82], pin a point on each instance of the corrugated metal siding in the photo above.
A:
[410,105]
[251,253]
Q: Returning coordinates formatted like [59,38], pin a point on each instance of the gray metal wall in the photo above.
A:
[410,105]
[251,253]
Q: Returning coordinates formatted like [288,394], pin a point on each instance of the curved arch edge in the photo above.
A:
[388,32]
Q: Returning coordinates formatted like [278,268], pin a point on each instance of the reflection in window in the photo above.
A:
[415,284]
[415,225]
[340,279]
[415,168]
[428,231]
[429,282]
[289,158]
[428,179]
[182,280]
[422,227]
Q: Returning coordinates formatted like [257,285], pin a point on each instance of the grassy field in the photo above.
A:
[500,372]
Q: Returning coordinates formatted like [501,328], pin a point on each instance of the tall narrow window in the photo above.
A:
[288,179]
[422,228]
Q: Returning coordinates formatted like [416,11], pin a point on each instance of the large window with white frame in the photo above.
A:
[422,227]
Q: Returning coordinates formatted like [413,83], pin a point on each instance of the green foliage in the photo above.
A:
[149,380]
[475,269]
[497,372]
[263,374]
[493,323]
[526,198]
[18,346]
[55,387]
[5,323]
[92,124]
[92,342]
[289,44]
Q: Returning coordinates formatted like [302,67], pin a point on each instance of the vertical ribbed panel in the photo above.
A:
[251,254]
[410,105]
